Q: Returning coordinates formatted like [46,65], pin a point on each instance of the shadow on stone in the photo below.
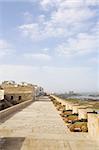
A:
[2,120]
[43,100]
[11,143]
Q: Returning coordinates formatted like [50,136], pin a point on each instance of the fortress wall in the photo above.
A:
[76,107]
[9,111]
[12,88]
[59,100]
[19,93]
[24,96]
[67,105]
[83,112]
[70,106]
[93,125]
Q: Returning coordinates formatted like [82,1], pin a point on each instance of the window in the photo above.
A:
[11,97]
[19,97]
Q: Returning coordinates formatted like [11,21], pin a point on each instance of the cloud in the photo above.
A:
[73,23]
[27,17]
[38,32]
[92,2]
[3,44]
[80,45]
[52,78]
[11,72]
[69,16]
[30,30]
[61,22]
[37,56]
[70,23]
[45,50]
[94,60]
[47,4]
[5,48]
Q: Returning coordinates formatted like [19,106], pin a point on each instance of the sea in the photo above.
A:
[84,97]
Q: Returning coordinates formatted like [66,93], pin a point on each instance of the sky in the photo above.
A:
[51,43]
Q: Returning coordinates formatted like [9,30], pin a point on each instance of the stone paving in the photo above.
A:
[40,127]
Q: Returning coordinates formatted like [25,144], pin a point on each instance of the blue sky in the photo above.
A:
[53,43]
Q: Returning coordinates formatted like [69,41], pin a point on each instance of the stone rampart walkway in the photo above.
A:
[40,127]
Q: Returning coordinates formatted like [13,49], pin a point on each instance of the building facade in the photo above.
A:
[39,91]
[18,92]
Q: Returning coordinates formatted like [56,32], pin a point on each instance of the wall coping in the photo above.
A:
[8,111]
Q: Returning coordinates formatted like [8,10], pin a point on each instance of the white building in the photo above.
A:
[39,90]
[1,94]
[23,83]
[8,82]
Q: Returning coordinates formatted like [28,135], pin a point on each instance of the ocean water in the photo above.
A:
[85,97]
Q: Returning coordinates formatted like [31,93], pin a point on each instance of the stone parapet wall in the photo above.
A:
[59,99]
[93,125]
[76,108]
[83,112]
[5,113]
[67,106]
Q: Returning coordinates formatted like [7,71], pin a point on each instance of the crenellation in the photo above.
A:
[83,112]
[93,125]
[86,113]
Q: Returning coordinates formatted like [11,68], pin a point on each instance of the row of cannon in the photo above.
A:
[81,118]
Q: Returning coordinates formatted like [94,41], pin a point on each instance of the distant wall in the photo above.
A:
[20,96]
[19,93]
[16,89]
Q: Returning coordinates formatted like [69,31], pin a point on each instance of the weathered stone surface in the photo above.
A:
[93,125]
[43,129]
[83,112]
